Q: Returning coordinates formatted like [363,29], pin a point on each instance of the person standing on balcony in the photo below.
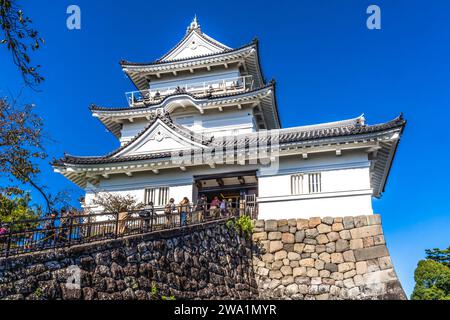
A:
[184,210]
[200,208]
[169,210]
[214,208]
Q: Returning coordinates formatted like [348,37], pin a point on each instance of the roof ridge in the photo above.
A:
[125,63]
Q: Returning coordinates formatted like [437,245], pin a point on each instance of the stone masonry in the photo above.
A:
[325,259]
[319,258]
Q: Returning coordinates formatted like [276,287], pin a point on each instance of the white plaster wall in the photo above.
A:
[345,187]
[333,206]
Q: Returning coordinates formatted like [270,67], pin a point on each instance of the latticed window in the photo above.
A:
[159,196]
[297,184]
[315,182]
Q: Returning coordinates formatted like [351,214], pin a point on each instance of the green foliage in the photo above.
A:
[438,255]
[432,281]
[16,209]
[243,224]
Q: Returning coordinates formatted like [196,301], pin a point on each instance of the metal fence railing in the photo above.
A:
[72,229]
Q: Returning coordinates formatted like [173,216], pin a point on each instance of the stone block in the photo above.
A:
[350,274]
[259,236]
[287,237]
[368,242]
[268,257]
[287,280]
[328,220]
[263,272]
[325,257]
[302,224]
[271,225]
[358,280]
[385,262]
[293,256]
[291,289]
[378,277]
[292,223]
[371,253]
[315,221]
[275,274]
[316,280]
[280,255]
[331,247]
[322,239]
[299,272]
[342,245]
[274,235]
[320,248]
[324,274]
[309,262]
[337,276]
[337,227]
[378,240]
[276,265]
[337,258]
[294,264]
[349,256]
[286,270]
[348,283]
[348,223]
[309,248]
[298,247]
[374,219]
[356,244]
[259,224]
[332,267]
[346,266]
[323,228]
[299,236]
[367,231]
[274,284]
[361,267]
[311,233]
[360,221]
[333,236]
[312,273]
[345,234]
[319,265]
[275,246]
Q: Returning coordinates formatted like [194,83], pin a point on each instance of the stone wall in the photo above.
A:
[328,258]
[324,259]
[207,261]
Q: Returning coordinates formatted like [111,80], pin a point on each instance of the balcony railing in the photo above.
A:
[215,87]
[74,229]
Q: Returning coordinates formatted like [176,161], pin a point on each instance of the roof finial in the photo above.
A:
[194,25]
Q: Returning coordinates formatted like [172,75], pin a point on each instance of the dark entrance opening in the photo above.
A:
[240,187]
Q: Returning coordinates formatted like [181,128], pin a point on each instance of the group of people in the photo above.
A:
[199,212]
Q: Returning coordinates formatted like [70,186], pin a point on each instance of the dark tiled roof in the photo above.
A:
[94,107]
[353,127]
[125,63]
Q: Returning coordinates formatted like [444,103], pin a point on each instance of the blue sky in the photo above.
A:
[327,64]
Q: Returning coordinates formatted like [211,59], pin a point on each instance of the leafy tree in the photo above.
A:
[20,38]
[14,209]
[438,255]
[21,146]
[116,203]
[432,281]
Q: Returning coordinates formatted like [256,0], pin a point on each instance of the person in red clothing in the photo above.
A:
[215,207]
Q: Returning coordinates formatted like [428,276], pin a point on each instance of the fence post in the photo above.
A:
[116,232]
[152,216]
[70,230]
[8,245]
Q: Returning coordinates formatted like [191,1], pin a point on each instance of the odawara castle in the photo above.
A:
[203,120]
